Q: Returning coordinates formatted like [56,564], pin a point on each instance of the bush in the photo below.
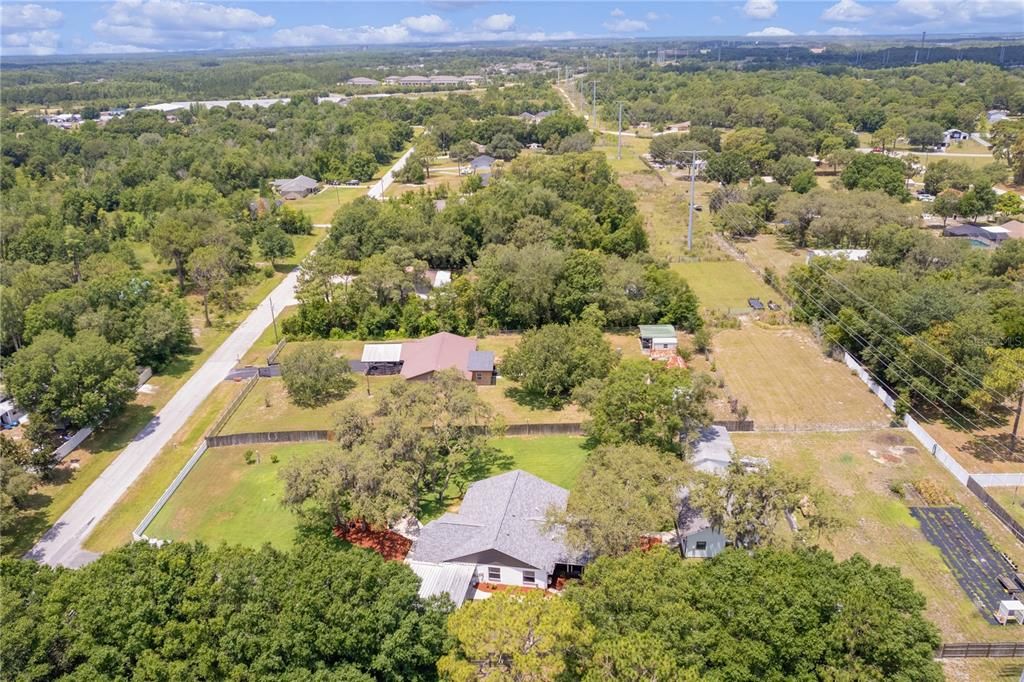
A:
[250,456]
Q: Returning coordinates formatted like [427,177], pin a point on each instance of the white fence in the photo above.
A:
[72,443]
[998,480]
[138,533]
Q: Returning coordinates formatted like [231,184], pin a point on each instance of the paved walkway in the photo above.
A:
[62,544]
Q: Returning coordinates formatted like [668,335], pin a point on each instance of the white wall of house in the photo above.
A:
[714,543]
[511,576]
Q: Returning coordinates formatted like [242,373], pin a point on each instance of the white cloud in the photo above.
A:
[654,16]
[771,32]
[716,19]
[497,23]
[760,9]
[15,18]
[953,12]
[30,42]
[308,36]
[115,48]
[847,10]
[843,31]
[428,23]
[617,12]
[626,26]
[171,24]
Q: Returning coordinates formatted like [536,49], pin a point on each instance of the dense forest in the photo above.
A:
[549,237]
[320,612]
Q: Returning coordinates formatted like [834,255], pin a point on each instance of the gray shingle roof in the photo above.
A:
[712,452]
[480,361]
[504,513]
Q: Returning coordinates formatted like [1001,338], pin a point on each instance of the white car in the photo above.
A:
[926,197]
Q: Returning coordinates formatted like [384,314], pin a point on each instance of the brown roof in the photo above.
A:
[1015,228]
[437,352]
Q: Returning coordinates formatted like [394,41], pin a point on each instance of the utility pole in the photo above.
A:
[693,188]
[593,104]
[620,132]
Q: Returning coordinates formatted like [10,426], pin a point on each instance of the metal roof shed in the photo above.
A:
[382,352]
[657,331]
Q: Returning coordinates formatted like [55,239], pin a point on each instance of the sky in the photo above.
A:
[135,26]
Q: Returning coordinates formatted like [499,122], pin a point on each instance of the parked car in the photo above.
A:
[924,196]
[352,183]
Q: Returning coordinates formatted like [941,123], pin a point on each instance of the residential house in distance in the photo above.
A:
[989,233]
[295,188]
[954,135]
[683,127]
[1014,229]
[497,536]
[10,414]
[658,339]
[482,163]
[535,118]
[432,279]
[839,254]
[363,82]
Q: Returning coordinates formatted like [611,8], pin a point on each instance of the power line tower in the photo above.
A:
[619,151]
[693,189]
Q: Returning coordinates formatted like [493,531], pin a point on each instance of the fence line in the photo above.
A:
[139,532]
[272,357]
[233,407]
[993,505]
[981,650]
[263,437]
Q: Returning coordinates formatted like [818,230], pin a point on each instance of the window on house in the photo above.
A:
[529,578]
[700,545]
[493,573]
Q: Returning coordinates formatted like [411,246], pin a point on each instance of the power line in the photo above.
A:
[905,375]
[901,374]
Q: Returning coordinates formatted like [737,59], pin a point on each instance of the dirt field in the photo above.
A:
[785,381]
[858,469]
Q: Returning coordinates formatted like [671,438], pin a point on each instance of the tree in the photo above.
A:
[947,205]
[728,168]
[552,361]
[314,376]
[316,608]
[525,637]
[925,134]
[582,141]
[622,495]
[424,438]
[748,505]
[273,243]
[504,146]
[816,618]
[1008,144]
[84,381]
[292,221]
[1009,204]
[161,330]
[877,172]
[174,238]
[1003,383]
[790,166]
[15,482]
[739,220]
[803,182]
[462,151]
[645,403]
[210,269]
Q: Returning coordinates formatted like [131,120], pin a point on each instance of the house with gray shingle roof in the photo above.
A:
[496,536]
[295,188]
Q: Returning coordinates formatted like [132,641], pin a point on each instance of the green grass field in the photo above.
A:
[724,285]
[770,251]
[782,377]
[223,499]
[321,206]
[857,468]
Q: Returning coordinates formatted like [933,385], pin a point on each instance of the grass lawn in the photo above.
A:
[632,149]
[115,529]
[268,408]
[724,285]
[226,500]
[878,524]
[556,459]
[321,206]
[514,413]
[1011,499]
[771,251]
[985,449]
[785,381]
[662,199]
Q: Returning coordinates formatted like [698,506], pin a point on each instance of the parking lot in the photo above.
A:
[975,564]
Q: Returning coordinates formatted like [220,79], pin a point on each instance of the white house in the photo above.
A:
[10,414]
[954,135]
[658,337]
[496,536]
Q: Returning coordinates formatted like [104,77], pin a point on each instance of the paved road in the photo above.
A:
[62,544]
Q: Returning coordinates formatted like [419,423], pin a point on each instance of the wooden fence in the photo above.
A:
[264,437]
[993,505]
[982,649]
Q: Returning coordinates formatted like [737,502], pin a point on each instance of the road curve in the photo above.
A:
[62,544]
